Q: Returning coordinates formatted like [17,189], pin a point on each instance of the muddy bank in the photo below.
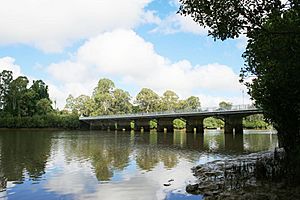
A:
[253,176]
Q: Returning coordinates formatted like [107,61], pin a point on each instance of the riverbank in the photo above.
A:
[41,121]
[253,176]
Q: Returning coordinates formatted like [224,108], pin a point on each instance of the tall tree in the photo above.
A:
[121,102]
[225,105]
[103,97]
[70,103]
[5,80]
[272,57]
[193,103]
[147,100]
[169,100]
[17,104]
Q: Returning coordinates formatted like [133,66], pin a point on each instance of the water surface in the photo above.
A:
[113,165]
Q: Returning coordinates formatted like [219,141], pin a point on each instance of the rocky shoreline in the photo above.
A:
[254,176]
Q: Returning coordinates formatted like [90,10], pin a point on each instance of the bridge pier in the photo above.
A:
[124,125]
[142,123]
[233,122]
[111,125]
[163,123]
[194,123]
[84,126]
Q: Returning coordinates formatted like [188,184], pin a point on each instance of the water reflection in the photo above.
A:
[113,165]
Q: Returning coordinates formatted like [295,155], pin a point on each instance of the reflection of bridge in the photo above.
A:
[233,118]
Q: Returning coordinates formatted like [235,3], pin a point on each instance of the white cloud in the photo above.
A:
[176,23]
[8,63]
[51,25]
[125,57]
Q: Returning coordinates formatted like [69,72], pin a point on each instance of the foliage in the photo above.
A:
[225,105]
[169,100]
[147,100]
[271,56]
[212,123]
[41,121]
[255,122]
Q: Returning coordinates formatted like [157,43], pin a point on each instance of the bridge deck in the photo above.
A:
[235,110]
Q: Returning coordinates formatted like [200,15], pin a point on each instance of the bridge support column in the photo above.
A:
[233,122]
[111,125]
[124,125]
[84,125]
[96,126]
[163,123]
[142,124]
[194,123]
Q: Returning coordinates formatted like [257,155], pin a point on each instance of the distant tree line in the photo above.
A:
[25,106]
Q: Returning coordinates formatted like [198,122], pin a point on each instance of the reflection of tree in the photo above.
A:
[107,152]
[260,142]
[234,143]
[169,159]
[213,140]
[147,158]
[24,151]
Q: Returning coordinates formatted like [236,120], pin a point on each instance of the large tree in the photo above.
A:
[271,57]
[6,78]
[147,100]
[169,100]
[103,97]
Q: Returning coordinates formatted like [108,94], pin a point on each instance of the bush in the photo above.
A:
[41,121]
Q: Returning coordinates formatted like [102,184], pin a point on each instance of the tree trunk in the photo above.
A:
[289,139]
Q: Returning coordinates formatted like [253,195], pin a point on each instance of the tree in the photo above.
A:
[169,100]
[80,105]
[193,103]
[103,97]
[271,56]
[147,100]
[44,106]
[121,102]
[16,103]
[70,103]
[5,80]
[225,105]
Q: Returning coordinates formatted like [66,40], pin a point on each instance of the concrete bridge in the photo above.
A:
[233,118]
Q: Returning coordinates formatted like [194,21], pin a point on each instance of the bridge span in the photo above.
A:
[233,118]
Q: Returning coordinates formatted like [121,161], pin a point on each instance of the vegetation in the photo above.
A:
[22,106]
[271,56]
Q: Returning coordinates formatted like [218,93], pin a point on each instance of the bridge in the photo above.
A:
[232,116]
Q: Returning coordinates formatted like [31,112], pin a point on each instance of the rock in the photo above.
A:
[192,189]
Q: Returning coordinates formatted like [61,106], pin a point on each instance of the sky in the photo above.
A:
[71,44]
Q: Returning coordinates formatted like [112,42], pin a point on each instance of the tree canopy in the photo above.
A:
[18,99]
[271,57]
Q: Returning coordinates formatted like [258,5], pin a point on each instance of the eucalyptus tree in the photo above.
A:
[169,100]
[121,102]
[103,97]
[6,77]
[147,100]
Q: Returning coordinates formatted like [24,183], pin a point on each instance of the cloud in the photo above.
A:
[8,63]
[51,25]
[176,23]
[126,58]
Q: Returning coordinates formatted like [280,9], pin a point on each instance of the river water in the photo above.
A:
[113,165]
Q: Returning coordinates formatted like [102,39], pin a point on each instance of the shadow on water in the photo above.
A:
[113,165]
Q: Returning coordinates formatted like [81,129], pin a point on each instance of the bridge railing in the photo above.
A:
[200,110]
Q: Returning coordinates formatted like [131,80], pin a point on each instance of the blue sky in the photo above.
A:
[136,43]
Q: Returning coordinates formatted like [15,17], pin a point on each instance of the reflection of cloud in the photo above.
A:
[76,177]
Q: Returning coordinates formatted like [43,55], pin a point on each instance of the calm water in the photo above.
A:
[113,165]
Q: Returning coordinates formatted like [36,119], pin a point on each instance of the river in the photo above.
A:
[36,164]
